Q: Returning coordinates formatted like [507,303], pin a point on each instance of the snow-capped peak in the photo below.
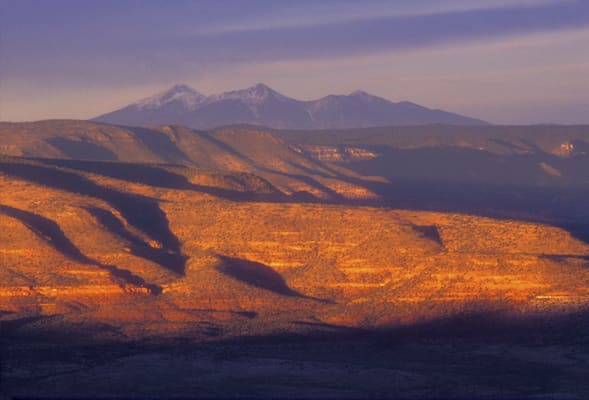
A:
[253,95]
[182,93]
[362,95]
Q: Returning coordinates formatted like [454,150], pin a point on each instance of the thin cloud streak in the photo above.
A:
[304,14]
[163,53]
[386,33]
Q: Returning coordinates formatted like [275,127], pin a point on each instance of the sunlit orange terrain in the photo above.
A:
[230,254]
[423,262]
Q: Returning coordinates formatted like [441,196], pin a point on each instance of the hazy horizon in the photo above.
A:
[506,62]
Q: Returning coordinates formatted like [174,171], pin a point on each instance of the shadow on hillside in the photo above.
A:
[562,207]
[155,141]
[138,247]
[158,176]
[259,275]
[470,181]
[304,178]
[82,150]
[536,203]
[159,144]
[442,179]
[526,184]
[141,212]
[460,164]
[50,232]
[152,175]
[430,232]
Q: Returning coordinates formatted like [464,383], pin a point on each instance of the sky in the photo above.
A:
[504,61]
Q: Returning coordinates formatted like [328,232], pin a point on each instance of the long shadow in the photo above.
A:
[334,196]
[50,232]
[153,175]
[158,176]
[142,212]
[480,183]
[563,206]
[435,179]
[259,275]
[83,150]
[224,146]
[138,247]
[453,164]
[306,179]
[440,148]
[468,165]
[430,232]
[160,144]
[466,180]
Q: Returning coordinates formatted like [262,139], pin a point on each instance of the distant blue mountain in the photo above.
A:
[261,105]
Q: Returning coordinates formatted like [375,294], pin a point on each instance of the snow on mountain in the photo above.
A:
[253,95]
[180,93]
[261,105]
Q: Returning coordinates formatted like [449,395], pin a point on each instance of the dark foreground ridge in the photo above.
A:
[467,356]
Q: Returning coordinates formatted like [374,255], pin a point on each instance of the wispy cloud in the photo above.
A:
[302,14]
[367,35]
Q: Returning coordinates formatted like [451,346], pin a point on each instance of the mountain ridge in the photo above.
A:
[261,105]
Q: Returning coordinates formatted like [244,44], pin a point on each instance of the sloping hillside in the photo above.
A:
[113,253]
[219,264]
[532,173]
[257,151]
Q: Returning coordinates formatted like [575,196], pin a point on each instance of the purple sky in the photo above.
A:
[505,61]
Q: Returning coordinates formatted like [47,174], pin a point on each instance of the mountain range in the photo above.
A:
[261,105]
